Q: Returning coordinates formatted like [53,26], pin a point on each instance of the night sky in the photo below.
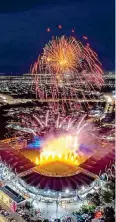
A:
[23,29]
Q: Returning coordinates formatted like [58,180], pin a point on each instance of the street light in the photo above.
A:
[67,191]
[48,192]
[83,188]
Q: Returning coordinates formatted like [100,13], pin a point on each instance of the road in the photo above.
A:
[10,100]
[13,214]
[2,219]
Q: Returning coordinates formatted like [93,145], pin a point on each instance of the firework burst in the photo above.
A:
[67,71]
[67,54]
[62,55]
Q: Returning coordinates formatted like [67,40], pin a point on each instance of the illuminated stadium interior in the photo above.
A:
[56,158]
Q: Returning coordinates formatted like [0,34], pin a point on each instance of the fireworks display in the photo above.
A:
[61,139]
[66,69]
[58,137]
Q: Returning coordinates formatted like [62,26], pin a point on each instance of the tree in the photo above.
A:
[107,196]
[94,198]
[89,196]
[85,209]
[28,205]
[92,208]
[109,213]
[111,186]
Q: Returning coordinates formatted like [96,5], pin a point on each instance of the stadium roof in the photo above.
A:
[93,166]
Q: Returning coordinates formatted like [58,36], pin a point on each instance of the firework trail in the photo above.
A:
[58,130]
[47,115]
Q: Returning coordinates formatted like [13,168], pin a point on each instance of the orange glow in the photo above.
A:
[48,59]
[61,54]
[98,214]
[61,145]
[59,149]
[37,161]
[51,157]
